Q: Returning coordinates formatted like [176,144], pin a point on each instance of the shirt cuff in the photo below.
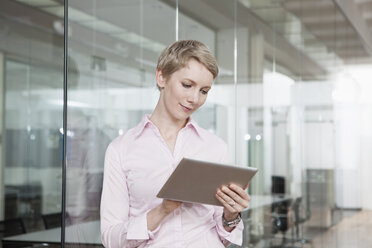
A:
[137,228]
[235,236]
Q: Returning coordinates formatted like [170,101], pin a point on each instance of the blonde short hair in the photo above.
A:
[177,55]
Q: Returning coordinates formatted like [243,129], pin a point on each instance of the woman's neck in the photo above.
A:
[167,125]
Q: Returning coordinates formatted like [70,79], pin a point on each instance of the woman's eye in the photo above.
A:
[186,85]
[204,92]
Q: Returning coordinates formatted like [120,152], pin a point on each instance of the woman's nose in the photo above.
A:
[193,97]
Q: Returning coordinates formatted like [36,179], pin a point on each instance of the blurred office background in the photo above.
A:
[293,98]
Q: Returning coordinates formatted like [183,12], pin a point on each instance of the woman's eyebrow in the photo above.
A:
[193,82]
[190,80]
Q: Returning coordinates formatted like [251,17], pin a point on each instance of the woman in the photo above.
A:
[139,162]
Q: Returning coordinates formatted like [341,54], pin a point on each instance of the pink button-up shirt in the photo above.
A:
[137,164]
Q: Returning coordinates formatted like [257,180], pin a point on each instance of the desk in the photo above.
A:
[86,233]
[258,201]
[89,233]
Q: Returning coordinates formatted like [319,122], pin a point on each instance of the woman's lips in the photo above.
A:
[186,108]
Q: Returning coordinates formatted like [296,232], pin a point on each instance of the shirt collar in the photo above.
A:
[142,125]
[145,122]
[192,124]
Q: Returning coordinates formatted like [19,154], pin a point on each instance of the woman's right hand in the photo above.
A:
[168,206]
[157,214]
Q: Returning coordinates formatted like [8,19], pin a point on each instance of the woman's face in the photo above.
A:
[185,90]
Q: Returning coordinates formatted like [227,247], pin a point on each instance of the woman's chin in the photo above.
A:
[182,116]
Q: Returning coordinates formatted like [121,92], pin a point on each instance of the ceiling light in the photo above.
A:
[136,39]
[79,16]
[56,10]
[102,26]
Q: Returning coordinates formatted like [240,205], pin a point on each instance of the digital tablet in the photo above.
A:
[197,181]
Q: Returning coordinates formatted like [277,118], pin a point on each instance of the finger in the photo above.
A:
[226,198]
[225,204]
[242,201]
[230,201]
[231,194]
[171,202]
[242,193]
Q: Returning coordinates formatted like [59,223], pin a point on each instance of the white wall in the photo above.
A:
[366,156]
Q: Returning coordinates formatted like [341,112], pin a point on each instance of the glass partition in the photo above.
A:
[113,51]
[31,89]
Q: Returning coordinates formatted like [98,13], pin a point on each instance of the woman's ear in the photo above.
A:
[160,80]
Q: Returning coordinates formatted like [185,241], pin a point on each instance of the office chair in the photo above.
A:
[299,220]
[279,211]
[281,220]
[52,220]
[11,227]
[277,185]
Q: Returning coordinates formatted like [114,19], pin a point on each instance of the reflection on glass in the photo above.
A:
[31,79]
[112,60]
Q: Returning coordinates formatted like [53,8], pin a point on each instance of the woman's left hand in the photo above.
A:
[234,200]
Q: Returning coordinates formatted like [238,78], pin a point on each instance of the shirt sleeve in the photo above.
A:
[235,236]
[118,228]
